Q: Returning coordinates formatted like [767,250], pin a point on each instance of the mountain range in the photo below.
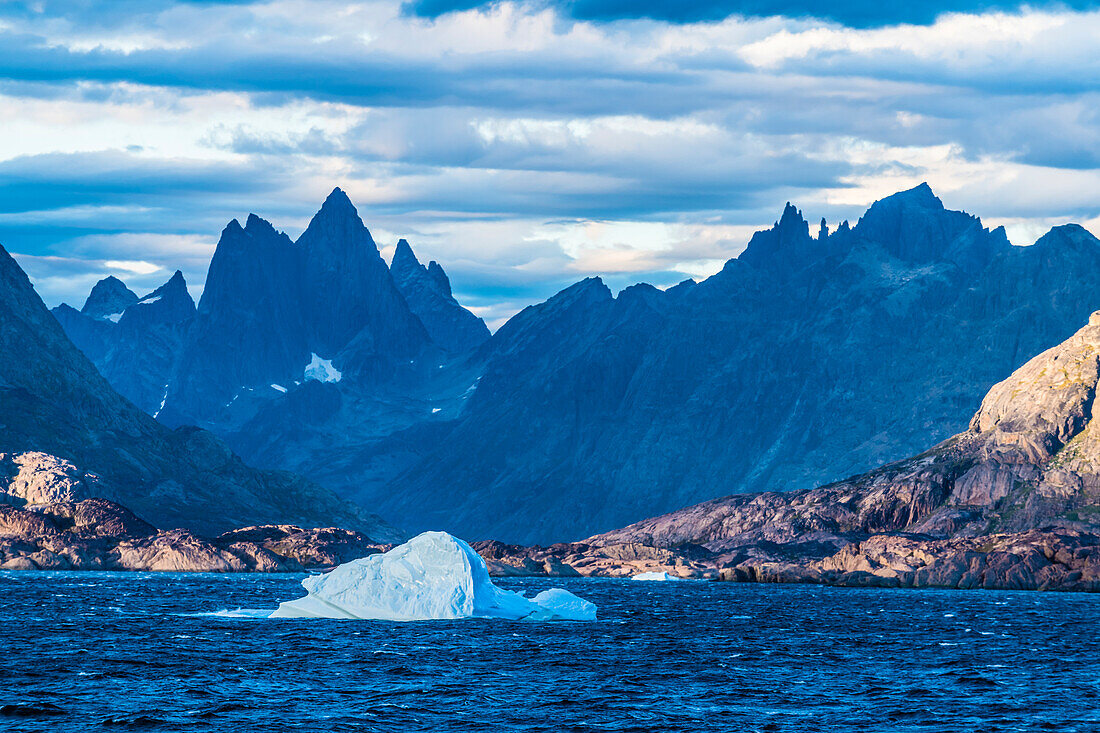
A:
[66,435]
[806,359]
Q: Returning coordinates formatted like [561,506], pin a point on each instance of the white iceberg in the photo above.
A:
[654,576]
[432,576]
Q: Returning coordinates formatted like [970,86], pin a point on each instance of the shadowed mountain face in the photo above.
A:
[108,299]
[54,402]
[272,307]
[427,290]
[1029,460]
[805,360]
[137,346]
[312,356]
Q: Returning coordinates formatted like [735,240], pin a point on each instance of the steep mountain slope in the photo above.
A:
[308,356]
[136,347]
[248,330]
[91,335]
[427,290]
[272,307]
[804,360]
[53,401]
[148,343]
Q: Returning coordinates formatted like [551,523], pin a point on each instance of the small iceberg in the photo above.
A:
[432,576]
[654,576]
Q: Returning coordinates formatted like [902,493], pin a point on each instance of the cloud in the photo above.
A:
[526,144]
[852,13]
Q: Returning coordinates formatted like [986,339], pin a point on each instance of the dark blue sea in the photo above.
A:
[136,651]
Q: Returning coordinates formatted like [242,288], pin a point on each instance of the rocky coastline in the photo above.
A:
[98,534]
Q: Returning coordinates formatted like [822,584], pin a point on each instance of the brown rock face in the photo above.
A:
[97,534]
[39,478]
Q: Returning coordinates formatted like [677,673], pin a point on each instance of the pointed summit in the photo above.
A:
[439,277]
[915,227]
[919,196]
[338,203]
[109,296]
[792,218]
[427,290]
[173,301]
[404,261]
[1073,236]
[788,239]
[349,293]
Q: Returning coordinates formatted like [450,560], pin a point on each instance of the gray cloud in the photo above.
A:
[493,126]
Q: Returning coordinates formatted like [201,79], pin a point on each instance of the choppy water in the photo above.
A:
[129,650]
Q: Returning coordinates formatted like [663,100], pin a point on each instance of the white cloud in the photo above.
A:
[136,267]
[523,149]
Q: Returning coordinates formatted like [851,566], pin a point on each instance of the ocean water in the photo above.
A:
[151,652]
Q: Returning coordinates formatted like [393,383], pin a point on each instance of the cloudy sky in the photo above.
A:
[527,144]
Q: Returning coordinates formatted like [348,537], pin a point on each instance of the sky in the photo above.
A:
[526,145]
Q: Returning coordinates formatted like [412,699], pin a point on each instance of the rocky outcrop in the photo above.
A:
[1054,559]
[574,559]
[39,478]
[1061,559]
[96,534]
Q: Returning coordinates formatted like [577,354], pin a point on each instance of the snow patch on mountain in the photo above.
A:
[322,370]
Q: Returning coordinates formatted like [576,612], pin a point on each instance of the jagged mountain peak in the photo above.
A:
[256,226]
[338,229]
[920,196]
[427,290]
[404,263]
[792,218]
[177,283]
[438,276]
[172,293]
[590,289]
[788,238]
[903,207]
[406,267]
[109,296]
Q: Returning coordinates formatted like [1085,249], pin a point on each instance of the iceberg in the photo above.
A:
[654,576]
[432,576]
